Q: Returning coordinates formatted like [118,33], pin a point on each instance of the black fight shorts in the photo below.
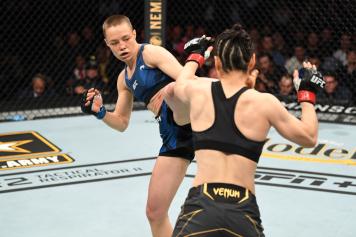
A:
[217,210]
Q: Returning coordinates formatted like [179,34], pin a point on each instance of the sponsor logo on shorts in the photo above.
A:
[28,149]
[226,192]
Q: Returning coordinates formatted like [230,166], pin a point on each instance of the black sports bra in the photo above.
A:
[224,135]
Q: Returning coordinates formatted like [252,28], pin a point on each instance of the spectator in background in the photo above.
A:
[280,45]
[268,47]
[78,74]
[266,29]
[344,47]
[109,67]
[330,64]
[286,88]
[188,35]
[38,88]
[103,55]
[270,73]
[260,86]
[92,78]
[350,67]
[56,54]
[349,70]
[326,43]
[255,39]
[72,48]
[79,69]
[296,61]
[312,46]
[88,42]
[348,74]
[174,37]
[333,92]
[298,36]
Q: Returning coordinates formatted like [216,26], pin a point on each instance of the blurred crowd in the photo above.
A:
[278,56]
[81,60]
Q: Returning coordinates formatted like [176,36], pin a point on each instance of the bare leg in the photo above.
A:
[167,175]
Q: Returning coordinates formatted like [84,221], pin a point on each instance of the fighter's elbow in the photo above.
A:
[178,90]
[314,141]
[120,124]
[124,126]
[310,141]
[120,129]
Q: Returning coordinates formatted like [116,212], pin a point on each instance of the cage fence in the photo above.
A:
[48,47]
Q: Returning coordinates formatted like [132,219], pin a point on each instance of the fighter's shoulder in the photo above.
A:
[151,54]
[200,84]
[259,97]
[156,52]
[150,48]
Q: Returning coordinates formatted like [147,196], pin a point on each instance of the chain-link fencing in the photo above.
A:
[53,50]
[56,40]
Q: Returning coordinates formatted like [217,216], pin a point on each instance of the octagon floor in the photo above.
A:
[77,177]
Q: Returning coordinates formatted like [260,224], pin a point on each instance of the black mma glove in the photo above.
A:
[196,49]
[88,109]
[308,83]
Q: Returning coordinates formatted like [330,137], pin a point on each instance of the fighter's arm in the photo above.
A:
[303,132]
[120,117]
[159,57]
[199,49]
[185,82]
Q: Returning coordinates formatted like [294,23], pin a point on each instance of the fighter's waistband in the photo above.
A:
[222,192]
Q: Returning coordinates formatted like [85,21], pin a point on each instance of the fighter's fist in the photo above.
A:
[92,103]
[199,49]
[307,81]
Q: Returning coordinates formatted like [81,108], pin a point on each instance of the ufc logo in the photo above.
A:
[318,81]
[191,42]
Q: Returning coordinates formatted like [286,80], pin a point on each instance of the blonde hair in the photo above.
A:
[115,20]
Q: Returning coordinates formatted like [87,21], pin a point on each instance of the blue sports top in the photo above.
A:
[224,135]
[145,81]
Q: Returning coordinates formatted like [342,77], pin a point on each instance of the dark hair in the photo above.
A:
[234,48]
[266,54]
[330,74]
[39,76]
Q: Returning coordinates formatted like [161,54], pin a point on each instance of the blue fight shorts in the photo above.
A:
[177,140]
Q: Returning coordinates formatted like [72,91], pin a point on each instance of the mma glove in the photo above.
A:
[89,108]
[307,85]
[196,48]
